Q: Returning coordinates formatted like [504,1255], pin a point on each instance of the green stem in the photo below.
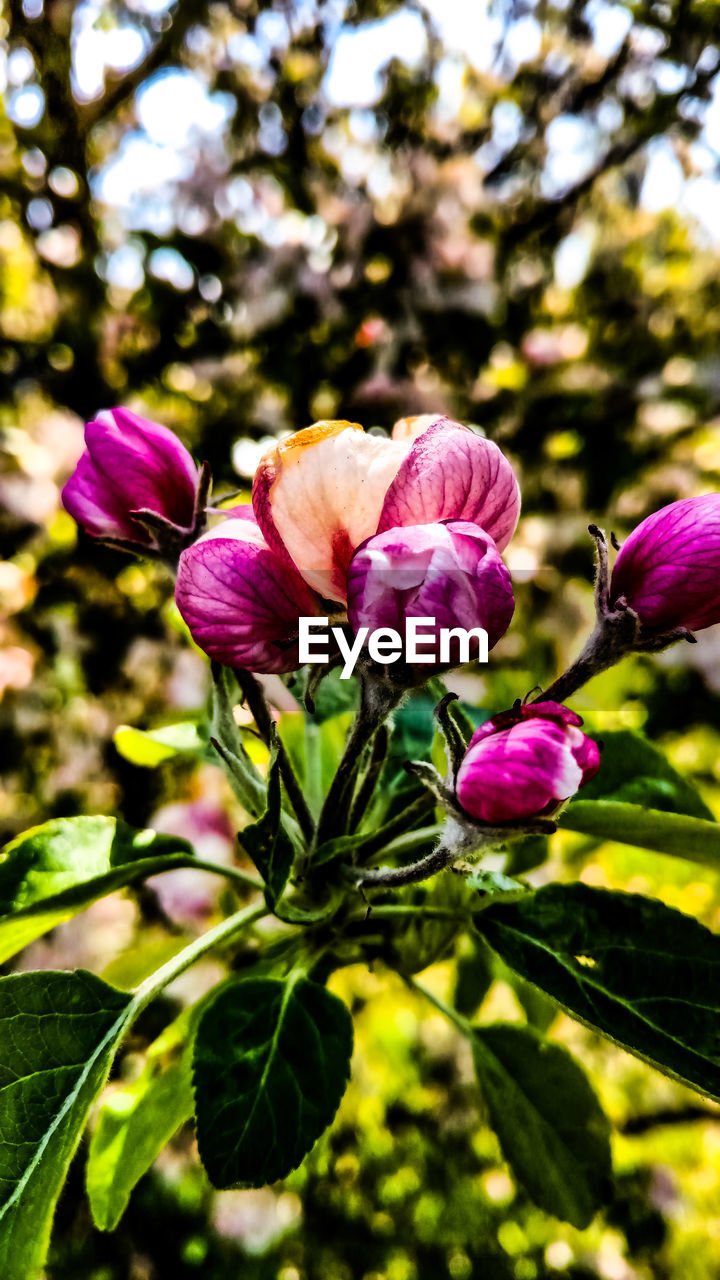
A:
[391,911]
[222,932]
[398,826]
[377,701]
[231,873]
[446,1010]
[255,699]
[313,765]
[413,840]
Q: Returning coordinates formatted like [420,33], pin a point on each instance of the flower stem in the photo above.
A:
[222,932]
[376,703]
[615,634]
[446,1010]
[394,877]
[255,699]
[401,824]
[230,873]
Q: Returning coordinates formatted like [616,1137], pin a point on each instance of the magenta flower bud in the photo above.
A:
[450,574]
[525,762]
[131,466]
[668,570]
[242,601]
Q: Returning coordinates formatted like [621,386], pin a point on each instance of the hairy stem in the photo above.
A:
[615,635]
[394,877]
[401,824]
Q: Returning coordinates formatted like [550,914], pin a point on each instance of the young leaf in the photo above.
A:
[225,738]
[552,1129]
[137,1120]
[633,770]
[491,884]
[50,873]
[267,842]
[149,748]
[272,1060]
[676,834]
[59,1032]
[641,973]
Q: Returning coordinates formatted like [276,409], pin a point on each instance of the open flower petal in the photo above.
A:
[319,494]
[241,601]
[452,474]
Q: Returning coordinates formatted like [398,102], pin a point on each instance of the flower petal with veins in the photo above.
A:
[452,474]
[319,494]
[241,601]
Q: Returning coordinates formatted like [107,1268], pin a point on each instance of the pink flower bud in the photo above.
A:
[525,762]
[240,600]
[450,572]
[130,465]
[668,570]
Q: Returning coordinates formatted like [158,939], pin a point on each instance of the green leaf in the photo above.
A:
[267,842]
[676,834]
[137,1120]
[526,854]
[552,1129]
[646,976]
[272,1060]
[493,883]
[473,974]
[59,1032]
[421,940]
[225,737]
[50,873]
[633,770]
[304,736]
[149,748]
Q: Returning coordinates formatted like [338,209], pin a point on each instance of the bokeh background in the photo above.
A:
[241,217]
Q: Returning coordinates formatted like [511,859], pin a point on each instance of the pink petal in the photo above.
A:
[451,473]
[449,571]
[518,772]
[668,570]
[319,494]
[241,601]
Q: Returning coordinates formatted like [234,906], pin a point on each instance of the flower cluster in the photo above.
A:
[373,532]
[378,530]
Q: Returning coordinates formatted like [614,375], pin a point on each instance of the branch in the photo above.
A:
[187,14]
[656,120]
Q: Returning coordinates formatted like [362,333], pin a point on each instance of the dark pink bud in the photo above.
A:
[525,762]
[131,465]
[240,600]
[668,570]
[451,572]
